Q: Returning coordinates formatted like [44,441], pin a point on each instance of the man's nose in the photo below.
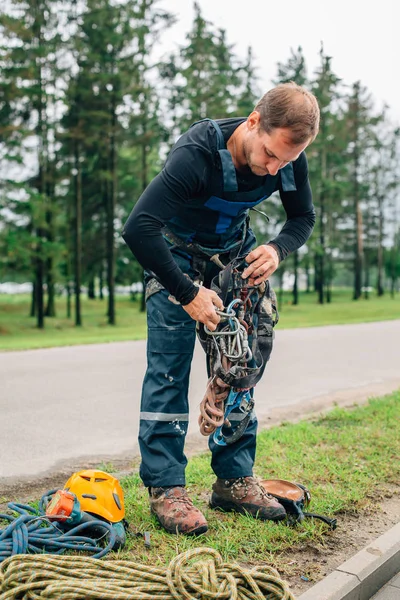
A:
[273,166]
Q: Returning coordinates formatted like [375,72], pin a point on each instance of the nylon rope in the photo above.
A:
[32,531]
[199,574]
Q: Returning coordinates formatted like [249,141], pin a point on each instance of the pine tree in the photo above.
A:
[322,170]
[30,52]
[202,79]
[361,122]
[294,70]
[249,91]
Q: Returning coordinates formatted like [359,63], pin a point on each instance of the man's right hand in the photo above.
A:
[202,308]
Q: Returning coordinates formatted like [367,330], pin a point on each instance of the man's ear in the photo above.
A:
[253,120]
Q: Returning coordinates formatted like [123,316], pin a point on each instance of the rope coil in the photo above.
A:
[32,531]
[26,577]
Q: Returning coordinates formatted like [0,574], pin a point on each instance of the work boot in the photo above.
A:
[175,511]
[246,495]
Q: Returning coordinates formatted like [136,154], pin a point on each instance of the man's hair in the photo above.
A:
[290,106]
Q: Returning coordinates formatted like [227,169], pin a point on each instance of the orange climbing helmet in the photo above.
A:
[99,493]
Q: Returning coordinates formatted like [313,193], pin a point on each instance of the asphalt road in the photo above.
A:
[67,407]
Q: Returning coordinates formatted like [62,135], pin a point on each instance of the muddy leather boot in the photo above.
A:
[175,511]
[246,495]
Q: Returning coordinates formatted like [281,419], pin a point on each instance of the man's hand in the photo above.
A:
[202,308]
[263,261]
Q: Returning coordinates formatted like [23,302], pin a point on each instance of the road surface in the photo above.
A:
[73,406]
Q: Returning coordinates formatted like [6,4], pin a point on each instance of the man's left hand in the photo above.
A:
[263,261]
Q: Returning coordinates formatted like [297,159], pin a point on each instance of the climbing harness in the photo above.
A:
[198,573]
[237,351]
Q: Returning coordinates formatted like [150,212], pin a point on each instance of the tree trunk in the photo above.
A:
[91,288]
[328,292]
[393,271]
[78,235]
[316,273]
[111,200]
[42,159]
[358,262]
[68,258]
[51,306]
[322,201]
[328,284]
[358,250]
[39,285]
[69,295]
[379,283]
[296,277]
[308,273]
[33,299]
[366,277]
[101,282]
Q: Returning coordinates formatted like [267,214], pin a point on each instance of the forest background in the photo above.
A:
[87,116]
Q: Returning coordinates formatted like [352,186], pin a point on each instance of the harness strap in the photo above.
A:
[228,168]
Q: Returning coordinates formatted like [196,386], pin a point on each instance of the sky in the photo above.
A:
[363,37]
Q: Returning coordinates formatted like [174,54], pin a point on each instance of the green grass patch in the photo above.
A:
[346,458]
[342,310]
[349,460]
[18,331]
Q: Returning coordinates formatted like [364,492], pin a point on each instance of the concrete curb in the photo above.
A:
[360,577]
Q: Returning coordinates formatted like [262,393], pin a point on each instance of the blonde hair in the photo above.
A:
[290,106]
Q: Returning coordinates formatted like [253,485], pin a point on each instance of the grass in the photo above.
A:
[342,310]
[18,331]
[346,459]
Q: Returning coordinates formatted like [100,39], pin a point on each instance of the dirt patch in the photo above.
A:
[354,532]
[26,490]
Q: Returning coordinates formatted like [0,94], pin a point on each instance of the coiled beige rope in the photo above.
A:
[212,407]
[39,577]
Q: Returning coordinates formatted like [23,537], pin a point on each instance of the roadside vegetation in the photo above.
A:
[18,331]
[348,460]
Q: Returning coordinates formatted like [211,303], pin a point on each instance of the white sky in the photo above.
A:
[362,36]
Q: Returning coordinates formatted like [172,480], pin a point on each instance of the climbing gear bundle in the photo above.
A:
[77,517]
[33,532]
[197,573]
[294,497]
[89,496]
[237,351]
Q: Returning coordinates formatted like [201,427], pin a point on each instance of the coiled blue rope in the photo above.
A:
[33,532]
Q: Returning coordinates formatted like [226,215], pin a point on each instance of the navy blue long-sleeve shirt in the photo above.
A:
[181,194]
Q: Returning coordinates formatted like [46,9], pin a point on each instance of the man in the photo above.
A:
[195,208]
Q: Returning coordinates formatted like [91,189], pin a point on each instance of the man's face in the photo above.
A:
[266,153]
